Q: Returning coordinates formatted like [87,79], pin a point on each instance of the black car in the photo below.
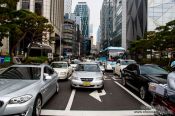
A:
[138,76]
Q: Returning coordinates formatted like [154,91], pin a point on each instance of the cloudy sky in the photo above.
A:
[94,6]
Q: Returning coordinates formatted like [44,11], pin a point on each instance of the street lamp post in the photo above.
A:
[60,41]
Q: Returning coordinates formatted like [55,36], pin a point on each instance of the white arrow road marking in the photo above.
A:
[97,95]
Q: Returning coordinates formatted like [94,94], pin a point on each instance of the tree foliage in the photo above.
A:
[18,24]
[159,40]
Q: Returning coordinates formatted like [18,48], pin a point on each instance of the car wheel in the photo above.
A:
[57,88]
[123,81]
[37,107]
[143,93]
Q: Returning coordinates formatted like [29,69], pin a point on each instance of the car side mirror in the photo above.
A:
[47,76]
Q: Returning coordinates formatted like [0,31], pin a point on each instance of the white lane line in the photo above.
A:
[144,103]
[97,113]
[114,78]
[68,107]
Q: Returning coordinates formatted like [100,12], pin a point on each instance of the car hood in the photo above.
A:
[161,78]
[84,74]
[9,86]
[60,69]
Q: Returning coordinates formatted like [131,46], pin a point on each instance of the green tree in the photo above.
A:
[18,24]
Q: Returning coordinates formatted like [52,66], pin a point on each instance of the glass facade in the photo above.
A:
[82,10]
[26,4]
[39,7]
[160,12]
[117,23]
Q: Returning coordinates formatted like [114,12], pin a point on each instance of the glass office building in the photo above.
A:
[160,12]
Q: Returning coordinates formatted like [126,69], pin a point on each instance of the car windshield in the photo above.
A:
[59,65]
[88,67]
[127,62]
[152,70]
[23,73]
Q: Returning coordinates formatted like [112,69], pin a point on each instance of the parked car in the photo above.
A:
[62,68]
[87,75]
[121,64]
[24,89]
[138,76]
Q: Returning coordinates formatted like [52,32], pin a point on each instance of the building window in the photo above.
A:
[39,7]
[25,4]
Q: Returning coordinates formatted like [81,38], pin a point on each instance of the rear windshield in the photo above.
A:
[88,67]
[59,65]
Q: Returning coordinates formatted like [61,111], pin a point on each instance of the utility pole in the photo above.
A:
[60,40]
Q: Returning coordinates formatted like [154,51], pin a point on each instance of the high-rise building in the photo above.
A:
[130,21]
[82,10]
[106,22]
[160,12]
[53,10]
[67,7]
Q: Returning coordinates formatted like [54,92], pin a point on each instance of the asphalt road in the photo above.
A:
[113,100]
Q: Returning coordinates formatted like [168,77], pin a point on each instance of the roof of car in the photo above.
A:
[29,65]
[59,62]
[88,63]
[126,60]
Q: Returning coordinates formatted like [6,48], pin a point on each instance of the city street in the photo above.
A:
[113,100]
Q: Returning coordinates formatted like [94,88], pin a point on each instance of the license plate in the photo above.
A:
[86,84]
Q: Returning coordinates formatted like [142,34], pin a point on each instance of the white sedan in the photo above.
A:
[121,64]
[87,75]
[62,68]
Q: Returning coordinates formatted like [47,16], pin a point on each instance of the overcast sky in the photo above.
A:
[95,7]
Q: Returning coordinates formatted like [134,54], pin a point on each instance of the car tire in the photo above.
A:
[123,81]
[143,92]
[37,107]
[57,88]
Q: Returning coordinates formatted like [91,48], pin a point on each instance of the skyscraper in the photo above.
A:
[82,10]
[129,21]
[67,7]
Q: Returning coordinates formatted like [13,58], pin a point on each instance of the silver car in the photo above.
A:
[24,89]
[87,75]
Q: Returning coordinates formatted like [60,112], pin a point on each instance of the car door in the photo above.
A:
[49,84]
[127,73]
[135,76]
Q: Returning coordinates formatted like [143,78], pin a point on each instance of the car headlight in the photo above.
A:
[63,73]
[74,78]
[99,78]
[20,100]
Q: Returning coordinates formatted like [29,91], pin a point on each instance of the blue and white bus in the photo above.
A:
[111,55]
